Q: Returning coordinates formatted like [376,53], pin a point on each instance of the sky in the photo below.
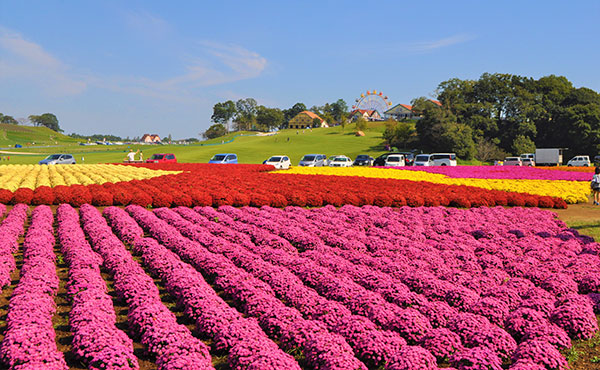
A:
[133,67]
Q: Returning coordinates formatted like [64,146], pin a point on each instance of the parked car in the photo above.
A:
[395,160]
[340,161]
[313,160]
[527,162]
[597,160]
[528,155]
[281,162]
[58,159]
[380,161]
[579,161]
[224,158]
[444,159]
[423,160]
[328,160]
[363,160]
[409,158]
[512,161]
[162,158]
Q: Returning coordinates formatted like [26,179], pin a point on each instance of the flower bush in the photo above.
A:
[574,190]
[255,185]
[289,288]
[29,176]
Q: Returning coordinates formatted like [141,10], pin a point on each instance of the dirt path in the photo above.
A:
[579,212]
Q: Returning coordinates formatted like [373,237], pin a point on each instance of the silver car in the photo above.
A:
[58,159]
[313,160]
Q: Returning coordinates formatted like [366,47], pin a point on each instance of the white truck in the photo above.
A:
[548,157]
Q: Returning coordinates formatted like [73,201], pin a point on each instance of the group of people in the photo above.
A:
[131,156]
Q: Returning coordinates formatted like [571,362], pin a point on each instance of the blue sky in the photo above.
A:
[130,67]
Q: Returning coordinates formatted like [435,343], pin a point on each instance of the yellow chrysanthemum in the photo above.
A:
[570,191]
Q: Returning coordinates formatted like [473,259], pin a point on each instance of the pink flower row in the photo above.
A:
[248,346]
[502,172]
[320,348]
[96,339]
[373,346]
[565,308]
[30,339]
[11,229]
[172,343]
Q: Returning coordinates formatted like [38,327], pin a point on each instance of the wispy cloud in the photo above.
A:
[426,46]
[226,63]
[24,60]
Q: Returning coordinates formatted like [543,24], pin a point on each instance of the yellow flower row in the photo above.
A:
[13,177]
[570,191]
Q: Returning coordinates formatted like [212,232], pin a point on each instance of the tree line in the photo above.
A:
[247,115]
[501,114]
[47,120]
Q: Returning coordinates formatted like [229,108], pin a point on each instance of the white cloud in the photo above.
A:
[441,43]
[24,60]
[26,63]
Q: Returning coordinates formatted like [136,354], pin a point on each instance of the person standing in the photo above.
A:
[596,186]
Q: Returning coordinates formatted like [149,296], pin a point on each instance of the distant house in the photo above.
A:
[305,119]
[369,115]
[405,111]
[150,138]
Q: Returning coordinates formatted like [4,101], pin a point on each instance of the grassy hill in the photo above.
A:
[250,149]
[27,135]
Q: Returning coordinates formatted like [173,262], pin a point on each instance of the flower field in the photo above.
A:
[21,176]
[189,185]
[573,187]
[293,288]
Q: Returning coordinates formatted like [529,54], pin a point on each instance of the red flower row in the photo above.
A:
[242,185]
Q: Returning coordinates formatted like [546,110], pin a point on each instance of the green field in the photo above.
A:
[250,149]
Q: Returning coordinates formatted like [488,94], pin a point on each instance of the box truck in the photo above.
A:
[548,157]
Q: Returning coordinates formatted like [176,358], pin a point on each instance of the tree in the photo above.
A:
[523,144]
[316,122]
[214,131]
[288,114]
[399,134]
[223,113]
[8,119]
[245,116]
[361,124]
[47,120]
[339,110]
[488,151]
[269,118]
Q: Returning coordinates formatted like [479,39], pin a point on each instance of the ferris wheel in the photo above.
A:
[372,100]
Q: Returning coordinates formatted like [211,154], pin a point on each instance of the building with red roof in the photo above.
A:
[306,119]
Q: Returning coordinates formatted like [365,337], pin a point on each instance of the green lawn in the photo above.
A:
[250,149]
[27,135]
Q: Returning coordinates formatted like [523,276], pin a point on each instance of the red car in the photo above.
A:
[162,158]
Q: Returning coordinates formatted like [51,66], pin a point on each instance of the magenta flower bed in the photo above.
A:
[325,288]
[502,172]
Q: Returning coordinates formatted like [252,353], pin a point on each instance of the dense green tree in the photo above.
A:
[399,134]
[523,144]
[316,122]
[269,118]
[47,119]
[223,113]
[8,119]
[214,131]
[288,114]
[245,116]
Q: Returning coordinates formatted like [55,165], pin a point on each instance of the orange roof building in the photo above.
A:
[305,119]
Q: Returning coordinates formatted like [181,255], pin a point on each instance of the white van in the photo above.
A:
[444,159]
[395,160]
[579,161]
[423,160]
